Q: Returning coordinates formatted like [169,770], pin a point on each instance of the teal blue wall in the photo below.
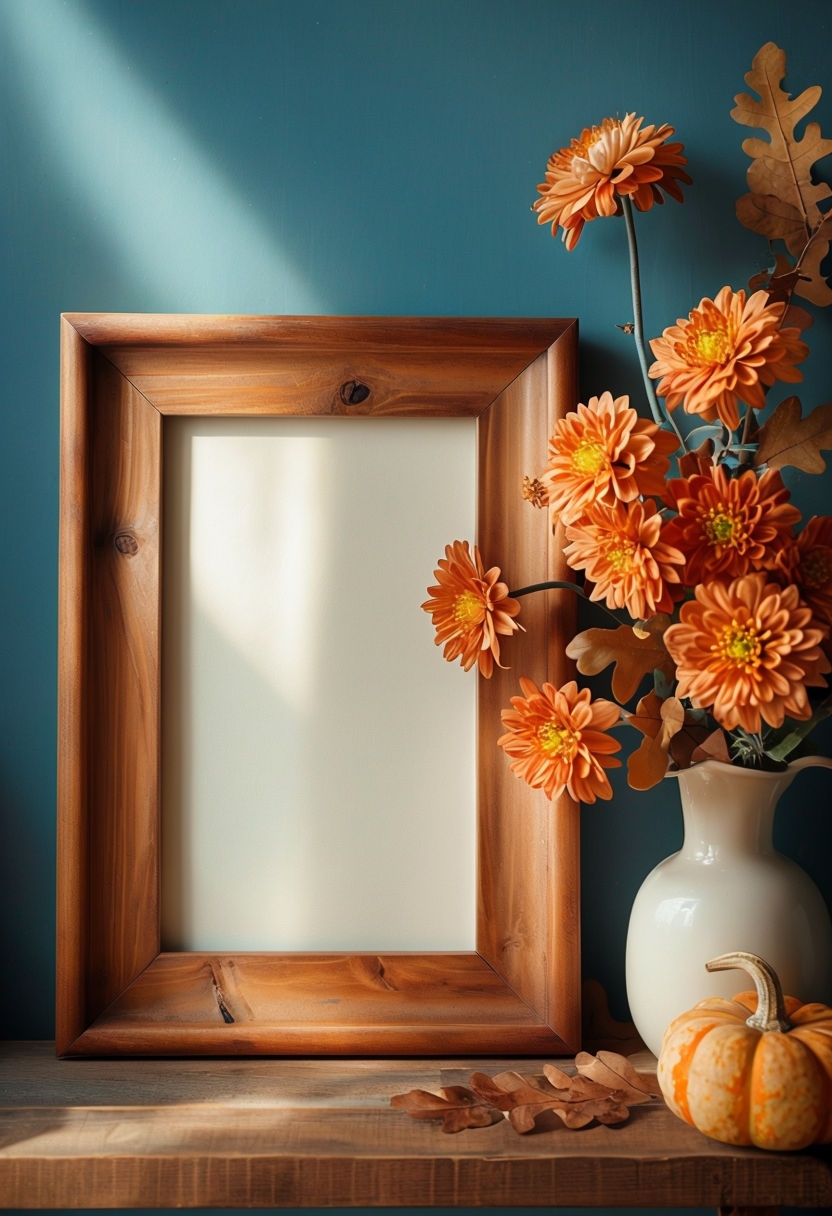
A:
[343,156]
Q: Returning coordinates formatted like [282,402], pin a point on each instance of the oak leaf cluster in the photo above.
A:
[601,1090]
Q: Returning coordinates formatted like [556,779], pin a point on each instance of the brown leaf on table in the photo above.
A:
[783,199]
[590,1099]
[615,1071]
[531,1101]
[635,654]
[602,1090]
[524,1099]
[557,1077]
[790,439]
[510,1089]
[457,1106]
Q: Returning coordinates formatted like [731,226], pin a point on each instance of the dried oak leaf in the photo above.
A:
[789,439]
[699,461]
[780,281]
[617,1073]
[694,742]
[601,1091]
[812,284]
[783,199]
[530,1102]
[713,747]
[658,720]
[457,1106]
[635,654]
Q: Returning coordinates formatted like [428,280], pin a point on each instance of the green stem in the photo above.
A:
[795,737]
[638,324]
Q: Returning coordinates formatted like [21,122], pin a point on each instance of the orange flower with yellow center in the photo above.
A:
[605,163]
[729,350]
[556,740]
[624,553]
[727,526]
[470,608]
[746,651]
[603,452]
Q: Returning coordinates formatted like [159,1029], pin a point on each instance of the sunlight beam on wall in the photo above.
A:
[167,211]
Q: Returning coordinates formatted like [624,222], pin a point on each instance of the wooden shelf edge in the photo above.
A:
[284,1133]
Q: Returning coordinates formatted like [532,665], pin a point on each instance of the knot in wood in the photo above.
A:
[353,392]
[126,543]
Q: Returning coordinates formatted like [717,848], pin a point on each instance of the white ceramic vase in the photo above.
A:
[727,889]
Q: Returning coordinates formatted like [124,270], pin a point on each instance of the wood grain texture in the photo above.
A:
[124,672]
[312,1133]
[519,991]
[523,909]
[250,366]
[73,631]
[319,1004]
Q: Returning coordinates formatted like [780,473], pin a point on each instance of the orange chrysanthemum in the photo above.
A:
[808,564]
[556,740]
[728,526]
[728,350]
[470,608]
[746,651]
[624,553]
[605,163]
[603,452]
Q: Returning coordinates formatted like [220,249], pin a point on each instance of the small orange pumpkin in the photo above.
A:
[764,1079]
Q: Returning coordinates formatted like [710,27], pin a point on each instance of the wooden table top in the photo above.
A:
[322,1133]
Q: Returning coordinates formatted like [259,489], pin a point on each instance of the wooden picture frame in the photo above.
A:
[118,992]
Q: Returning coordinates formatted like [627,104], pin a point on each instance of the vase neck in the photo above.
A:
[728,811]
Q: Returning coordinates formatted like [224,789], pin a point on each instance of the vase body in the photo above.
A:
[727,889]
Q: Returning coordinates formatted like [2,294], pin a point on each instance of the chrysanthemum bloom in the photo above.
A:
[603,452]
[808,563]
[729,350]
[470,607]
[620,157]
[746,650]
[727,526]
[624,553]
[556,740]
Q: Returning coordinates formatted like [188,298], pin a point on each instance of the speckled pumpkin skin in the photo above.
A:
[743,1086]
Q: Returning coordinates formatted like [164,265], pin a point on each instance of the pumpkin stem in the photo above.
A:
[771,1009]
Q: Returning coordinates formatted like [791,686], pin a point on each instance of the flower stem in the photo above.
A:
[554,584]
[548,586]
[659,416]
[744,455]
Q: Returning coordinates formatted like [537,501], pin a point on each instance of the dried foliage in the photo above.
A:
[789,439]
[784,203]
[602,1090]
[635,653]
[659,722]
